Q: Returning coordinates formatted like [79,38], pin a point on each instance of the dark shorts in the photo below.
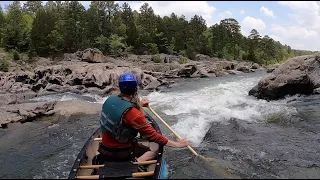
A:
[125,154]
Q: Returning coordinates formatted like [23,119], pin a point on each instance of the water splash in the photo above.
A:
[196,109]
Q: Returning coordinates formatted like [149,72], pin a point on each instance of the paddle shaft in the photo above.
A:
[168,126]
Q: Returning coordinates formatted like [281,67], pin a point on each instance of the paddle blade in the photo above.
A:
[220,168]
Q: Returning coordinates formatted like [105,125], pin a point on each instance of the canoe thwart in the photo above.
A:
[88,177]
[142,174]
[145,162]
[91,166]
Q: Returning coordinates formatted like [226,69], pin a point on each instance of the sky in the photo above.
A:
[291,22]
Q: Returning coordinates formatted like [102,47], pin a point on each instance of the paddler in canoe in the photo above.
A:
[122,118]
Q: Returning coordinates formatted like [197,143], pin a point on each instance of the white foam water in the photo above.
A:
[196,109]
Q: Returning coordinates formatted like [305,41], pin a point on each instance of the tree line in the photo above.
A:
[65,27]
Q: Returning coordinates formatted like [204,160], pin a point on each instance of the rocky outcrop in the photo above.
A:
[271,68]
[31,111]
[192,70]
[202,57]
[89,71]
[299,75]
[24,112]
[88,55]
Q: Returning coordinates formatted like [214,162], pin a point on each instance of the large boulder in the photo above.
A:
[271,68]
[201,57]
[93,55]
[299,75]
[244,66]
[192,71]
[227,65]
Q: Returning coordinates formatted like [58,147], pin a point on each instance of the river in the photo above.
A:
[200,111]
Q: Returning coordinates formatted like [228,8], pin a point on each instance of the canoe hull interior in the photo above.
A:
[82,166]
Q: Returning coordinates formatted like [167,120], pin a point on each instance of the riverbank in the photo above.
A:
[90,72]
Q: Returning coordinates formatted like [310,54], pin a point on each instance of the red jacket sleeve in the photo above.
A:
[136,119]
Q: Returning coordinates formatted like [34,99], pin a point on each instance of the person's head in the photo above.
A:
[128,84]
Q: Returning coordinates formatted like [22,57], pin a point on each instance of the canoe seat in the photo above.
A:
[117,169]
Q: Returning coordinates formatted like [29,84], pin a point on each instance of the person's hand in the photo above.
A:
[144,103]
[182,143]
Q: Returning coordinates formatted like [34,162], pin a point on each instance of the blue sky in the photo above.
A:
[290,22]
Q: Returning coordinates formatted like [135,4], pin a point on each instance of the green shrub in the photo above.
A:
[183,53]
[183,60]
[151,48]
[16,55]
[157,58]
[4,65]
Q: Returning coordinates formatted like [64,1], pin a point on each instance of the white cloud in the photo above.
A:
[242,12]
[250,23]
[225,14]
[267,12]
[296,36]
[187,8]
[305,31]
[86,4]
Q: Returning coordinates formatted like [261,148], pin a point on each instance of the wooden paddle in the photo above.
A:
[219,167]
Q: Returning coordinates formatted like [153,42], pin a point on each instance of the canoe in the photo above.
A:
[83,168]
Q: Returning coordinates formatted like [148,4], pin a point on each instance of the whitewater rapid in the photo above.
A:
[218,101]
[193,105]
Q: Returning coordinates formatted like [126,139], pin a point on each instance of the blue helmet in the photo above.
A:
[128,84]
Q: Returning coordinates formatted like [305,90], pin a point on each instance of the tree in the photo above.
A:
[2,24]
[74,26]
[66,26]
[233,32]
[42,27]
[32,6]
[129,22]
[15,35]
[92,24]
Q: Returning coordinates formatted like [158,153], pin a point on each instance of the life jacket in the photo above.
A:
[111,119]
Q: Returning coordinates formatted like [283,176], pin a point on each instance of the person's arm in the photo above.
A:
[137,120]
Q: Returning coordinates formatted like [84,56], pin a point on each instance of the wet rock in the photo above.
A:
[71,56]
[152,82]
[299,75]
[221,73]
[61,89]
[164,68]
[192,70]
[245,69]
[255,66]
[234,72]
[13,98]
[254,91]
[239,125]
[75,107]
[271,68]
[201,57]
[24,112]
[133,57]
[226,65]
[316,91]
